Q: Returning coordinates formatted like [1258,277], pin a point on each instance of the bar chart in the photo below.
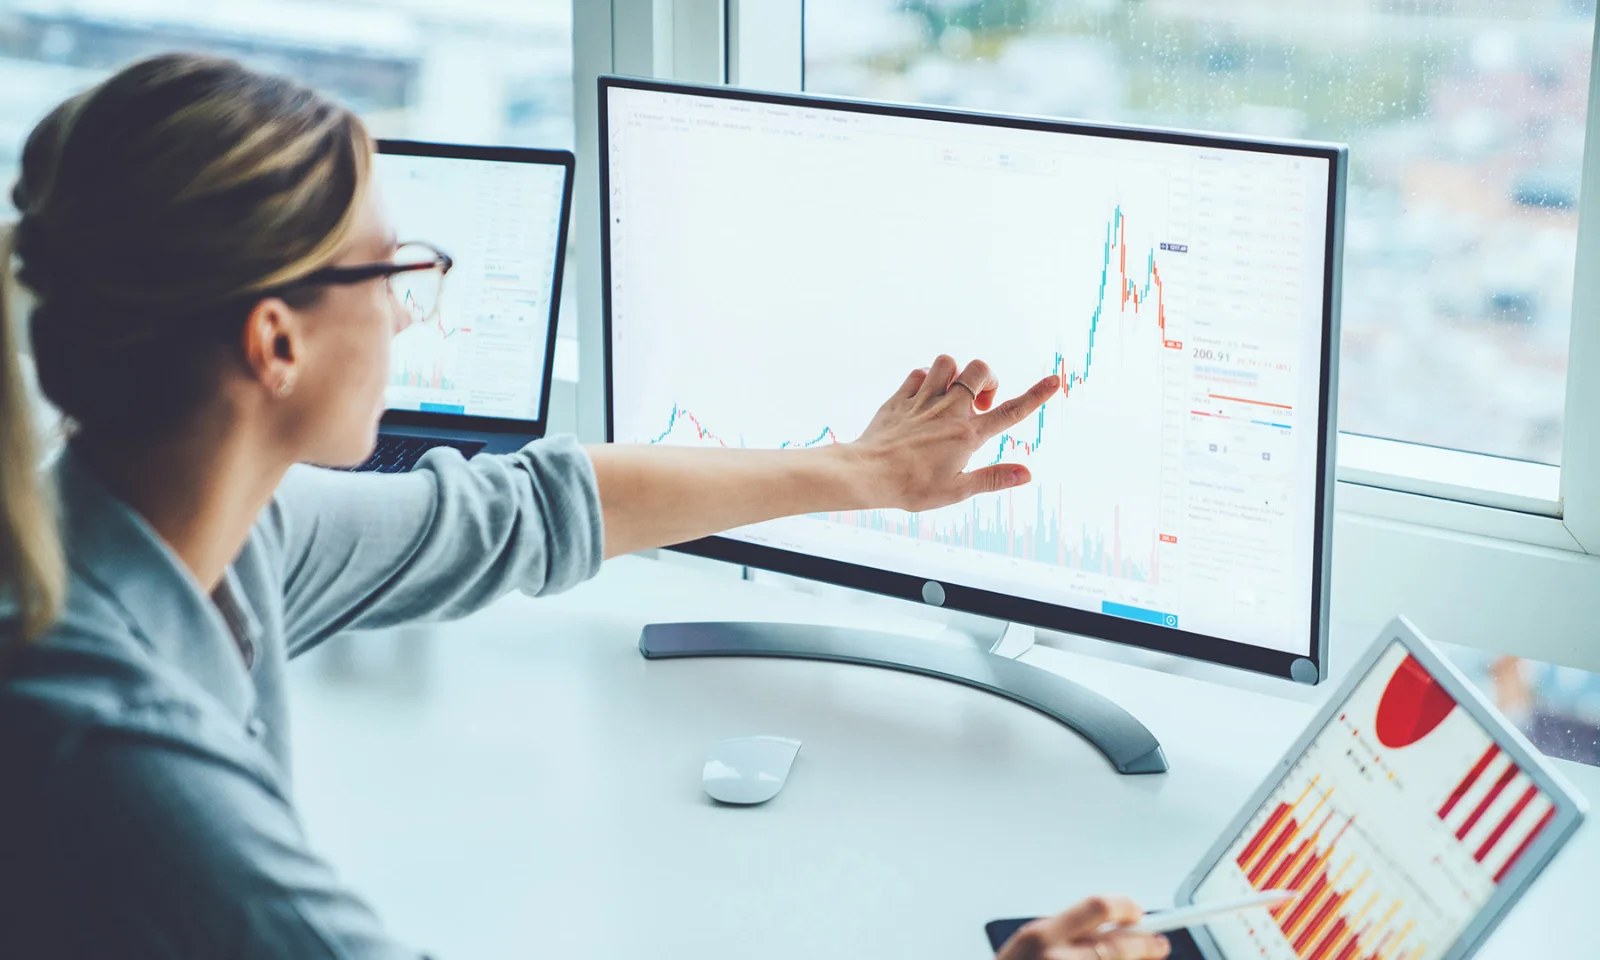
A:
[1341,914]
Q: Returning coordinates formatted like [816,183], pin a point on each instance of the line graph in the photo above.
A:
[427,356]
[437,325]
[1039,529]
[1131,293]
[703,433]
[1115,240]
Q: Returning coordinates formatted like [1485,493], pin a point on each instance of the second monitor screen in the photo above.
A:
[483,353]
[777,269]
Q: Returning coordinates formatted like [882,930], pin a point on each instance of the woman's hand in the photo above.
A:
[1074,935]
[914,454]
[918,445]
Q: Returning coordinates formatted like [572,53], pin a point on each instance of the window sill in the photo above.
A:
[1452,516]
[1454,475]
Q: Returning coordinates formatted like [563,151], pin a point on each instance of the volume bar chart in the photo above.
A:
[994,526]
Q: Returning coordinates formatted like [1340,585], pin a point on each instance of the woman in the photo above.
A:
[210,266]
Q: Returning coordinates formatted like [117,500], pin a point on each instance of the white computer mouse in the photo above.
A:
[748,770]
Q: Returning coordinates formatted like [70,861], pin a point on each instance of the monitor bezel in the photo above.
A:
[1258,659]
[564,159]
[1569,804]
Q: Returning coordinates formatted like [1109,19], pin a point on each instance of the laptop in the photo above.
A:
[1410,816]
[475,373]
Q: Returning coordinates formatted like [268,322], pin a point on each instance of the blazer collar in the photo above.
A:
[112,551]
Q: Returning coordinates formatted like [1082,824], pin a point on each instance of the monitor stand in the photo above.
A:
[989,664]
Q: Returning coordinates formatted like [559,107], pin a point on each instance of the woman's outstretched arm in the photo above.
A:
[360,551]
[913,455]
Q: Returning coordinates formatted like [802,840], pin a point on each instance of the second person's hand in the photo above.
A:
[920,441]
[1075,934]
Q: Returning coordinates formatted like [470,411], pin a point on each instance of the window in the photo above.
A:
[1466,121]
[485,72]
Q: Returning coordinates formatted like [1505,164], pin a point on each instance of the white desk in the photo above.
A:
[537,794]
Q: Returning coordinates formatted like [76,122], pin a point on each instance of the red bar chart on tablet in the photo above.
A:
[1395,826]
[1502,838]
[1342,912]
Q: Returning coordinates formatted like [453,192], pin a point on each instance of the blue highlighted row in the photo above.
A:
[427,407]
[1269,423]
[1139,613]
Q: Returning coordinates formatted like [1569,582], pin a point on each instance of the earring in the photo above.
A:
[286,385]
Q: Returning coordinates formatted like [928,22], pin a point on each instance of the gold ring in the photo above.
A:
[958,383]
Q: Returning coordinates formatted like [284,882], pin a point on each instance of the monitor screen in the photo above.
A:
[777,265]
[484,353]
[1397,823]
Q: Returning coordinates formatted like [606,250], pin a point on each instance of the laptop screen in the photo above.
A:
[1397,824]
[483,353]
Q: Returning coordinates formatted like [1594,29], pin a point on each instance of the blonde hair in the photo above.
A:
[156,209]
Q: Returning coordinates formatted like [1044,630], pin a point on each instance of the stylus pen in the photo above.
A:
[1163,921]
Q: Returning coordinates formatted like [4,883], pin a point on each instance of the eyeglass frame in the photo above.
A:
[362,272]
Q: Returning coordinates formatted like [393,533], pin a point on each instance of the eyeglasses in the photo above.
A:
[415,276]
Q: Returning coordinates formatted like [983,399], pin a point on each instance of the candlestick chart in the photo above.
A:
[1080,513]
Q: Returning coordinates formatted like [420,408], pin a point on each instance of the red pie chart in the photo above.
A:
[1413,705]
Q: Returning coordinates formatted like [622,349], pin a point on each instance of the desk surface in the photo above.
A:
[535,792]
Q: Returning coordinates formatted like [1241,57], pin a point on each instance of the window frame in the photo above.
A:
[1417,530]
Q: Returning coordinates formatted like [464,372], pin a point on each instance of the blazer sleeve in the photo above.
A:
[366,550]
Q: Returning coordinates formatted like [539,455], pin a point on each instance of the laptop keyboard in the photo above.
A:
[398,454]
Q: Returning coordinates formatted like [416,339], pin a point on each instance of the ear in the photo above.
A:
[271,342]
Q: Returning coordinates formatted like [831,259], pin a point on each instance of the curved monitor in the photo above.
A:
[775,264]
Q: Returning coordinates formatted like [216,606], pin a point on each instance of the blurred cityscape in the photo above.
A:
[488,71]
[1465,120]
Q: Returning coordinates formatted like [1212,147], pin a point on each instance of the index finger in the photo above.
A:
[1010,413]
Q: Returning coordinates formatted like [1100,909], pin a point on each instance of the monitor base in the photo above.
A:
[1113,731]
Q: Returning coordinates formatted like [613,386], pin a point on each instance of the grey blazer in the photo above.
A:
[145,802]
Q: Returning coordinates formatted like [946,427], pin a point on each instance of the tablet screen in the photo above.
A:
[1397,824]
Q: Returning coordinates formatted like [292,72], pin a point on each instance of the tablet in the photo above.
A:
[1410,815]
